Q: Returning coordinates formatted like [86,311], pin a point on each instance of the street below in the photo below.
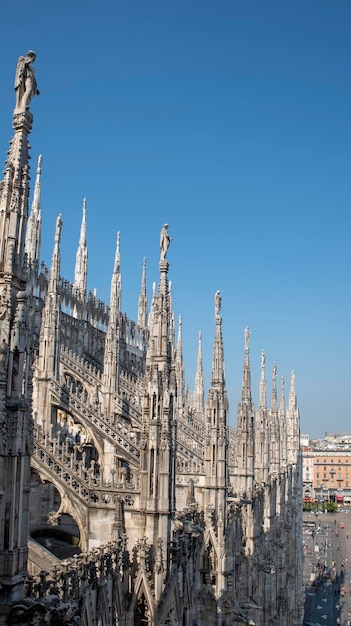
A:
[327,568]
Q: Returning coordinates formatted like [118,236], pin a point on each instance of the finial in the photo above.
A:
[263,360]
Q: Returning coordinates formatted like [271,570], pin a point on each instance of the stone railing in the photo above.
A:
[131,382]
[189,447]
[119,434]
[80,366]
[64,462]
[192,431]
[127,409]
[128,383]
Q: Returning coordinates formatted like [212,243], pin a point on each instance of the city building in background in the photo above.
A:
[326,469]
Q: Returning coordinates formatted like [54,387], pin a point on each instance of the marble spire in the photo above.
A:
[33,236]
[199,393]
[216,448]
[245,428]
[263,400]
[274,389]
[246,383]
[262,430]
[217,375]
[56,258]
[116,282]
[81,267]
[111,353]
[158,437]
[180,364]
[292,423]
[274,440]
[17,347]
[14,190]
[143,304]
[282,425]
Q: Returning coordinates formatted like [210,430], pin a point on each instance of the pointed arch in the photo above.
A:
[142,605]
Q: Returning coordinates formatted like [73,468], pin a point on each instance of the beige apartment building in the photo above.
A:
[326,471]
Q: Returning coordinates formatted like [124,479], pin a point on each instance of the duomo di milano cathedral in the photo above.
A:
[172,516]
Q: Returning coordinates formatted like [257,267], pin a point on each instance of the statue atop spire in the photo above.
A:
[263,382]
[247,338]
[25,82]
[218,301]
[263,360]
[165,240]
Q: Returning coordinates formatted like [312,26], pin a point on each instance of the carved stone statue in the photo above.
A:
[218,300]
[247,337]
[25,83]
[3,356]
[165,240]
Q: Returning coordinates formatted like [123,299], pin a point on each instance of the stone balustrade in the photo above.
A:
[65,460]
[80,365]
[118,433]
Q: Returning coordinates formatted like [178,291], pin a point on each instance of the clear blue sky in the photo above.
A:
[230,120]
